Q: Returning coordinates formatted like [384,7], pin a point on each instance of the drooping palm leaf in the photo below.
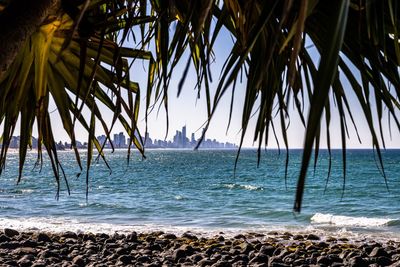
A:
[51,65]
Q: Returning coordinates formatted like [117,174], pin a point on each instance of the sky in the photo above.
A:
[190,111]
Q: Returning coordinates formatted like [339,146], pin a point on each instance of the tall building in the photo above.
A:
[122,140]
[193,140]
[184,136]
[116,140]
[148,141]
[102,139]
[179,139]
[175,140]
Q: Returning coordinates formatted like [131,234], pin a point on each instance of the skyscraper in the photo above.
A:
[184,136]
[116,140]
[122,140]
[193,140]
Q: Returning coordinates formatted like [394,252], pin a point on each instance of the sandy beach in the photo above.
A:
[167,249]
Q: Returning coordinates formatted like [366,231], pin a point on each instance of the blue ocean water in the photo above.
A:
[198,190]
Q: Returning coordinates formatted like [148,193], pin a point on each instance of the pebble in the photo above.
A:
[10,232]
[166,249]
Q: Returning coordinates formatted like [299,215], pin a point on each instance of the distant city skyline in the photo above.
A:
[179,141]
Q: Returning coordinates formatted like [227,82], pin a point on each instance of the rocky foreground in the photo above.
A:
[164,249]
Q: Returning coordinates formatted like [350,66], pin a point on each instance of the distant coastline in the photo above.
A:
[180,141]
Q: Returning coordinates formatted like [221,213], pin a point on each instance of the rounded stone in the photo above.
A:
[378,252]
[43,237]
[313,237]
[10,232]
[79,261]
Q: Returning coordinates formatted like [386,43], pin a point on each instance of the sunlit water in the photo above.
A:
[199,191]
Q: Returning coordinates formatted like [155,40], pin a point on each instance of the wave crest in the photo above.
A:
[245,187]
[340,220]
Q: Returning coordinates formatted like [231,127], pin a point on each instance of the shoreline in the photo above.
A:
[58,225]
[158,248]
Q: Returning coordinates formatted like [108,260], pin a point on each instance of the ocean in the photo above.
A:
[199,191]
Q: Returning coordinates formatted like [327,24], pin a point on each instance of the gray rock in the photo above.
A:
[260,258]
[10,245]
[378,252]
[196,258]
[357,261]
[274,260]
[395,264]
[298,262]
[283,253]
[89,237]
[189,250]
[29,243]
[52,261]
[205,262]
[240,236]
[290,258]
[313,237]
[178,254]
[25,251]
[39,264]
[226,257]
[216,257]
[396,257]
[279,264]
[121,251]
[79,261]
[222,263]
[239,264]
[150,239]
[26,261]
[325,260]
[10,232]
[169,236]
[125,259]
[366,248]
[42,237]
[69,234]
[247,247]
[155,247]
[101,235]
[383,261]
[143,259]
[11,263]
[154,264]
[267,250]
[189,236]
[4,238]
[298,237]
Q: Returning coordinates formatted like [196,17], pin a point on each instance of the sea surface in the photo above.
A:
[199,191]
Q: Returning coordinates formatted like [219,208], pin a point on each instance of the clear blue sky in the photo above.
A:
[190,111]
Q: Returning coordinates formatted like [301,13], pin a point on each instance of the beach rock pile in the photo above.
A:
[166,249]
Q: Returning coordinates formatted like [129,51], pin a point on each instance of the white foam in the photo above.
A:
[246,187]
[59,225]
[251,187]
[230,186]
[342,221]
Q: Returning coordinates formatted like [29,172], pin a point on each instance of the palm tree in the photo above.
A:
[74,52]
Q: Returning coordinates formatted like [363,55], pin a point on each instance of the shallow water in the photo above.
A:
[198,190]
